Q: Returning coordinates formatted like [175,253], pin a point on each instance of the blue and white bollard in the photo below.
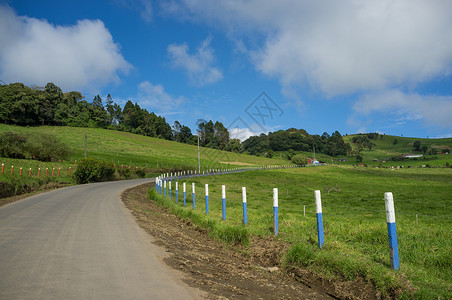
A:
[223,194]
[156,184]
[177,191]
[392,232]
[245,213]
[160,186]
[183,186]
[207,199]
[164,189]
[193,191]
[318,210]
[275,211]
[169,191]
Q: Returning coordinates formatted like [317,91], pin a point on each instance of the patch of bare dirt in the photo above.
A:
[226,272]
[237,163]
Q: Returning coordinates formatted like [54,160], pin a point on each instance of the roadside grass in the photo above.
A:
[356,242]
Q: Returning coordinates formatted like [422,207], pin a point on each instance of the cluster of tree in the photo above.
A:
[417,147]
[23,105]
[362,141]
[297,140]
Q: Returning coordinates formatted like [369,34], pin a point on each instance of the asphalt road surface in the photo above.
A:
[81,242]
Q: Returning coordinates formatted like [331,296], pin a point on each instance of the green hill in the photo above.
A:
[136,150]
[388,146]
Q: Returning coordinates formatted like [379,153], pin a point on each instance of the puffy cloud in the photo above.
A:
[339,46]
[408,106]
[81,56]
[198,66]
[155,97]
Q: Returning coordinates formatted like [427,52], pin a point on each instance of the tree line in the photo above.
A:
[34,106]
[296,140]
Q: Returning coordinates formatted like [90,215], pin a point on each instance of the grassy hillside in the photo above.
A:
[386,148]
[356,241]
[130,149]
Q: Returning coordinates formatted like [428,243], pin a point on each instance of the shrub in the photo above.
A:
[12,145]
[140,173]
[40,146]
[94,170]
[299,159]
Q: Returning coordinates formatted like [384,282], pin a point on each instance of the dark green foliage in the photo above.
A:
[297,140]
[7,189]
[417,146]
[94,170]
[299,159]
[12,145]
[40,146]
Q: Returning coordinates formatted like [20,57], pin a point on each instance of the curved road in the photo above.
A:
[81,242]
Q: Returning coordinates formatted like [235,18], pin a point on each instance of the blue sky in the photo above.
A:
[255,65]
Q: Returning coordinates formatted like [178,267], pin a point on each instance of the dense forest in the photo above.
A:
[297,140]
[32,106]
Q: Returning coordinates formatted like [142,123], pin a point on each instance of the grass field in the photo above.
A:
[129,149]
[385,149]
[356,242]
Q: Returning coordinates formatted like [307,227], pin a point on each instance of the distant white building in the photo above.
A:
[412,155]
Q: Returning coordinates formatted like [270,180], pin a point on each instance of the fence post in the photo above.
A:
[69,170]
[207,199]
[223,194]
[170,188]
[20,171]
[53,172]
[193,191]
[184,192]
[47,170]
[29,172]
[39,172]
[177,191]
[12,170]
[245,217]
[59,170]
[3,168]
[392,232]
[164,188]
[275,210]
[318,210]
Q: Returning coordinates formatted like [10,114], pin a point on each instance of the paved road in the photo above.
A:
[81,243]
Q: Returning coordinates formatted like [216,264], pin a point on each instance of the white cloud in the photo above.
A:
[81,56]
[241,133]
[198,66]
[435,110]
[155,97]
[338,46]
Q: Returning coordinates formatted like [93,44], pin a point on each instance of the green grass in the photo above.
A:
[356,242]
[129,149]
[385,149]
[124,149]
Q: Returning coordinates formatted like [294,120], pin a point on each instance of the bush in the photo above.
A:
[141,173]
[12,145]
[299,159]
[94,170]
[40,146]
